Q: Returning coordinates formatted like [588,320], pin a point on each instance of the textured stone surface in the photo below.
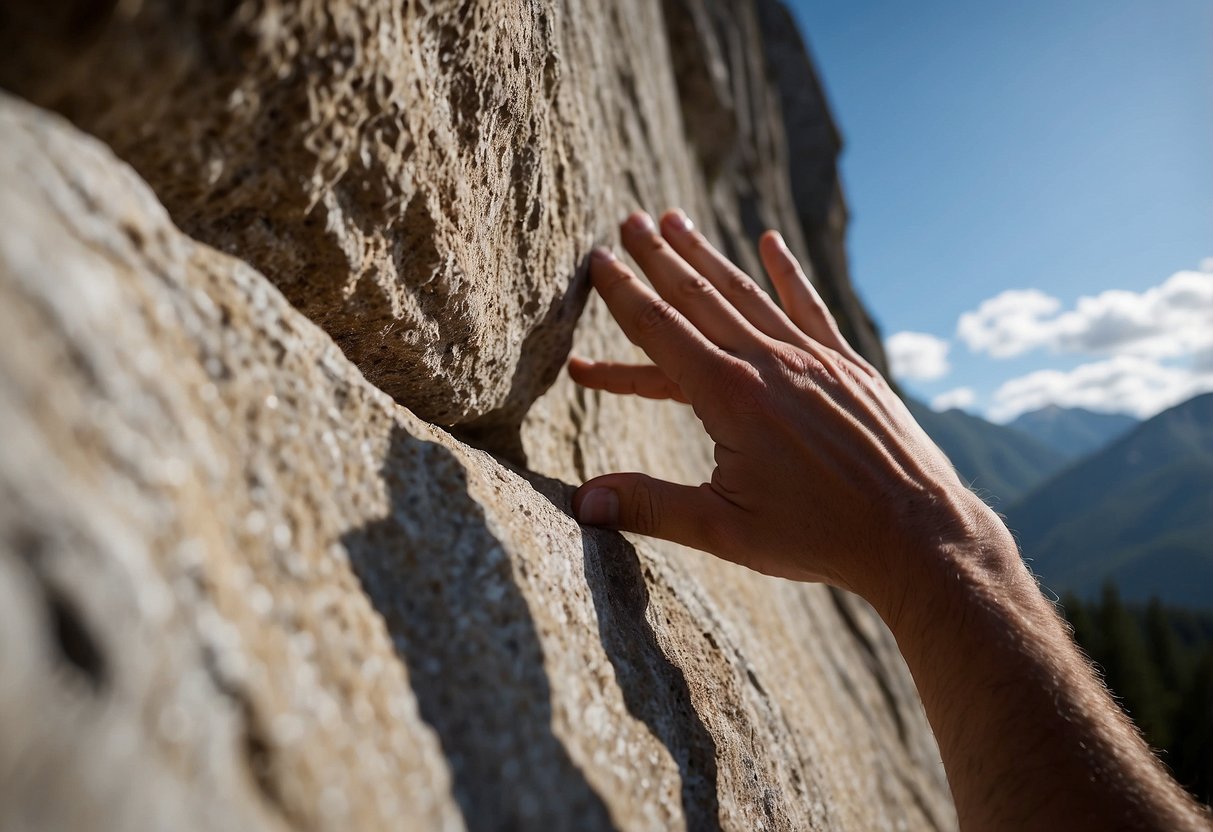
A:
[241,588]
[424,180]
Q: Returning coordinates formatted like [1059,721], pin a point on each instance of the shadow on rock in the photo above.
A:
[654,689]
[445,588]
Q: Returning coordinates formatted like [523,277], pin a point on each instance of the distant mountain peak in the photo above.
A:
[998,462]
[1073,431]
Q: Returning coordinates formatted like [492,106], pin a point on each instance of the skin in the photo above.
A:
[823,475]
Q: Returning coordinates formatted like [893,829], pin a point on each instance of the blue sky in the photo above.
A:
[1064,146]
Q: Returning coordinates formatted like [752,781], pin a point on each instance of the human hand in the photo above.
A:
[822,475]
[821,472]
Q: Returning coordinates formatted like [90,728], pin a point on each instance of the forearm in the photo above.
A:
[1029,736]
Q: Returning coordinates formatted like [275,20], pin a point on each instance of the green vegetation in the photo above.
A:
[1158,661]
[998,463]
[1138,513]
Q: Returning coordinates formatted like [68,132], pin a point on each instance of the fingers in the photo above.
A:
[640,380]
[685,288]
[640,503]
[804,306]
[687,358]
[735,285]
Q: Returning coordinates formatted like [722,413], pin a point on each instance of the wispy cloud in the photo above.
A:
[917,356]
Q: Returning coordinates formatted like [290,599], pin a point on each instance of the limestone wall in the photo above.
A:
[284,532]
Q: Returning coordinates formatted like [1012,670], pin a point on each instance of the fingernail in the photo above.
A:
[680,222]
[603,254]
[640,221]
[779,241]
[599,507]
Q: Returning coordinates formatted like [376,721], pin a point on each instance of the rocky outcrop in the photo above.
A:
[244,584]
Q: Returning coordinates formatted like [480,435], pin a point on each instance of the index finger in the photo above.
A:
[800,298]
[651,323]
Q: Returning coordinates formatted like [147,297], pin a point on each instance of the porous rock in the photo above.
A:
[425,180]
[240,587]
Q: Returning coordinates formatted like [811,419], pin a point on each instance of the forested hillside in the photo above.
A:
[1158,660]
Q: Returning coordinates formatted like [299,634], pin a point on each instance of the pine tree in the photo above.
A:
[1086,633]
[1192,751]
[1165,651]
[1164,646]
[1129,672]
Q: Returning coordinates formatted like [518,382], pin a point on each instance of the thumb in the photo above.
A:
[640,503]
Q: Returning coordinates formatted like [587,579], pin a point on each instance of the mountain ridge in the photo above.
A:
[1074,431]
[1138,512]
[1000,463]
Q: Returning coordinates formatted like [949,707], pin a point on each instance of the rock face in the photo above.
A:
[424,180]
[244,584]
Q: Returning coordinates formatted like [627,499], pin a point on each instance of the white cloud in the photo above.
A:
[1124,383]
[917,356]
[961,398]
[1009,323]
[1171,320]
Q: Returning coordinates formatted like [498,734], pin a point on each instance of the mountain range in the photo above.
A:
[1073,431]
[1137,511]
[999,463]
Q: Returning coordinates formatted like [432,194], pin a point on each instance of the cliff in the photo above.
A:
[284,536]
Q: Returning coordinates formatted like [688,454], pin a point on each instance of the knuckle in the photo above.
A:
[696,286]
[613,276]
[739,285]
[651,242]
[698,243]
[789,270]
[853,373]
[656,314]
[796,362]
[743,388]
[739,377]
[646,509]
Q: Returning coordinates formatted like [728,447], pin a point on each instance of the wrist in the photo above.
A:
[964,554]
[1014,706]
